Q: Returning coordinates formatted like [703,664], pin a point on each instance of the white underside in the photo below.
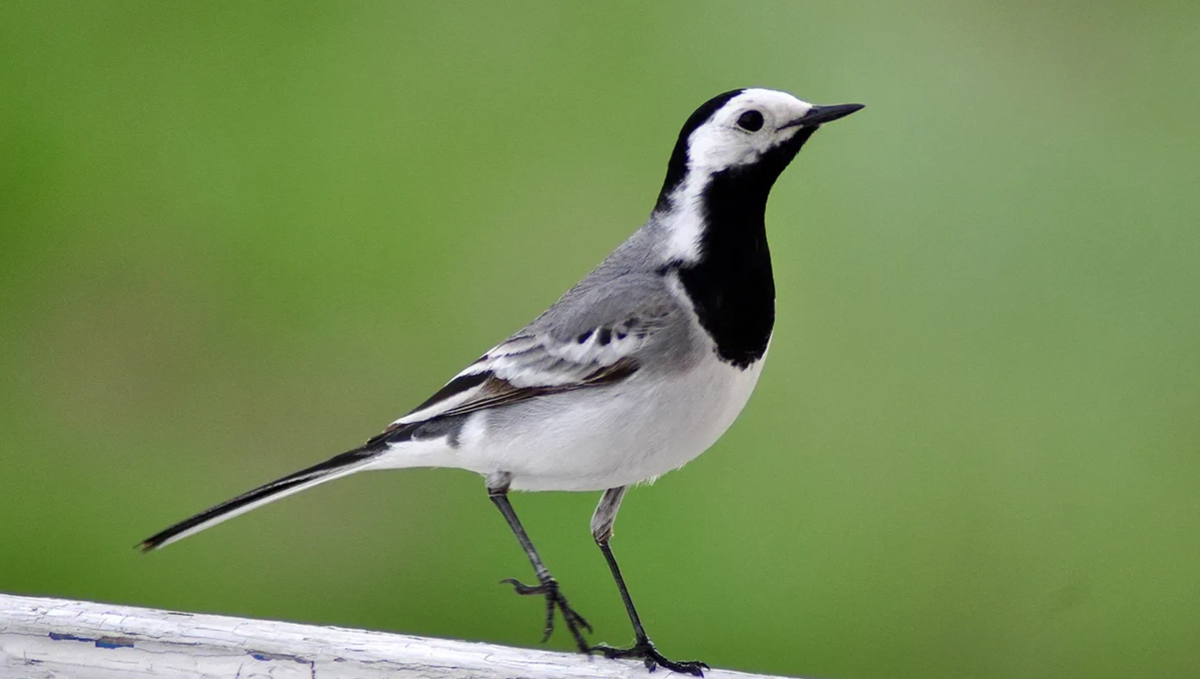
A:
[594,439]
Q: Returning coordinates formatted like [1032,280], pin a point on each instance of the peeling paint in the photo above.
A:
[68,637]
[102,642]
[114,642]
[279,656]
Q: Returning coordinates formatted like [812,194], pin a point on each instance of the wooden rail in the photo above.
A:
[62,639]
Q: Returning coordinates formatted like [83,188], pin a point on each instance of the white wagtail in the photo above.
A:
[634,372]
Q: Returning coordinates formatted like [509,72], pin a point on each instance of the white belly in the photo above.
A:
[594,439]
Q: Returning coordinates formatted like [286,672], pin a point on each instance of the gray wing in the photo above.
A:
[596,335]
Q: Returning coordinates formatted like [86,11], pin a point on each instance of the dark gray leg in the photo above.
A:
[602,525]
[547,586]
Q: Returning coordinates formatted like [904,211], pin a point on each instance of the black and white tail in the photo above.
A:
[335,467]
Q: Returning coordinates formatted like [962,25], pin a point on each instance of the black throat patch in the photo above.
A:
[731,285]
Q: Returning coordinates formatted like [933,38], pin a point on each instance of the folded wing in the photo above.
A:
[560,351]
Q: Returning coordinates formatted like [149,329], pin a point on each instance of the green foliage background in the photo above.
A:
[237,238]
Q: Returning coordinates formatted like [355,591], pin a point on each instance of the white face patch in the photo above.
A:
[719,144]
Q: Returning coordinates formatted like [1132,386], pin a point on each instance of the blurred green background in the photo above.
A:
[238,238]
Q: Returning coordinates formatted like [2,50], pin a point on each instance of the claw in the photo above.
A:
[522,588]
[549,620]
[651,658]
[554,598]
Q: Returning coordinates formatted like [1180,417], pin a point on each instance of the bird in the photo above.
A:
[632,373]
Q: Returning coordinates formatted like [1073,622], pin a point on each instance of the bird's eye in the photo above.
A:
[751,121]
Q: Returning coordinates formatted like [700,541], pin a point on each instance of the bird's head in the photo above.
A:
[745,129]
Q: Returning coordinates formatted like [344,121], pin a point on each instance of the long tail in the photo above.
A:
[335,467]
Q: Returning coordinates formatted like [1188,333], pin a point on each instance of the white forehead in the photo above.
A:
[771,103]
[719,143]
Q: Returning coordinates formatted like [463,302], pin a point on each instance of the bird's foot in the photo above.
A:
[645,650]
[555,599]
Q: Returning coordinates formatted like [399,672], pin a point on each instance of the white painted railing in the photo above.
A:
[62,639]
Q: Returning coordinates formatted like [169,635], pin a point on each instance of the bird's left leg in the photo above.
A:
[547,586]
[643,648]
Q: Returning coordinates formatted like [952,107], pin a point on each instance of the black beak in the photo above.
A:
[822,114]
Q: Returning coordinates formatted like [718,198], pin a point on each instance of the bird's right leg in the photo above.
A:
[547,586]
[643,648]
